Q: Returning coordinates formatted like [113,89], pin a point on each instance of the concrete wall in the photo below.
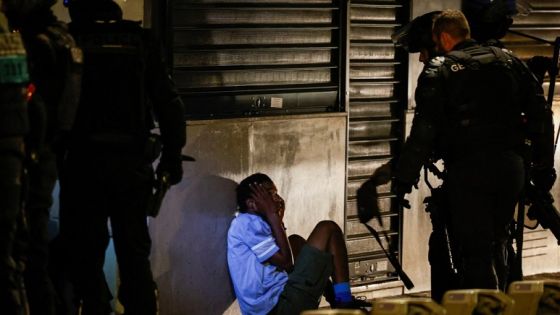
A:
[304,155]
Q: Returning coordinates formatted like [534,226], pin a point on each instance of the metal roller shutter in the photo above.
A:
[542,21]
[234,58]
[377,98]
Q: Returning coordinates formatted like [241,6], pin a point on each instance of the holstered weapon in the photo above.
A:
[441,255]
[161,186]
[434,206]
[542,209]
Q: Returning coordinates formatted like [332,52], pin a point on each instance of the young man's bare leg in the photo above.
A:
[296,243]
[327,236]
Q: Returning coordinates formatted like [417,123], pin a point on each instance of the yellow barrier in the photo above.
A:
[536,297]
[478,301]
[526,295]
[332,312]
[406,306]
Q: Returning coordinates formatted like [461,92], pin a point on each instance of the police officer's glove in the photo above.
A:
[367,193]
[367,201]
[543,178]
[539,65]
[401,188]
[172,166]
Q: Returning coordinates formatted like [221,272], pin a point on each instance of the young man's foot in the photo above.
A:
[359,303]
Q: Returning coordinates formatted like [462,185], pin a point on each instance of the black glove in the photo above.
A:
[367,201]
[539,65]
[367,193]
[543,178]
[173,166]
[401,188]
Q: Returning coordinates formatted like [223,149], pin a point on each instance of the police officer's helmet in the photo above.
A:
[490,19]
[85,11]
[24,7]
[417,34]
[21,12]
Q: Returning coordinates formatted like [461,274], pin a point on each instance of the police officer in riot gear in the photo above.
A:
[14,125]
[54,63]
[416,37]
[490,21]
[475,107]
[108,171]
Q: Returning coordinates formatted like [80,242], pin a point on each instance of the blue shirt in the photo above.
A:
[257,284]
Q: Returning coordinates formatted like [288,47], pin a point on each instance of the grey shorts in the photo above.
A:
[306,283]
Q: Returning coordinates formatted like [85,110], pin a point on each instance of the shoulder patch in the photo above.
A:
[507,51]
[433,66]
[437,61]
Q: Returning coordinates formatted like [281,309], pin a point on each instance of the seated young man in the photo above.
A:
[265,279]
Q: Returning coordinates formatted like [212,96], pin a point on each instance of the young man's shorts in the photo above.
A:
[306,283]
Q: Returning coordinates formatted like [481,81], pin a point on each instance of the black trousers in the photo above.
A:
[483,190]
[94,188]
[35,239]
[11,170]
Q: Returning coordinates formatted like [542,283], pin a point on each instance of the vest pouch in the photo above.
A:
[13,62]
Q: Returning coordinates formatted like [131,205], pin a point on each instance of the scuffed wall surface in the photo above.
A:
[305,156]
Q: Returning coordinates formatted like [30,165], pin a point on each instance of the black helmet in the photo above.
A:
[489,19]
[24,7]
[417,34]
[20,12]
[83,11]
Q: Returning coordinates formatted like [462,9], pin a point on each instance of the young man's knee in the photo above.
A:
[329,227]
[296,243]
[296,239]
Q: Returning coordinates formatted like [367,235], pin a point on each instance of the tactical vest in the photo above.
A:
[55,68]
[483,111]
[113,109]
[14,77]
[69,61]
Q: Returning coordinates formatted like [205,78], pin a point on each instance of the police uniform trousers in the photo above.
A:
[98,185]
[483,189]
[11,170]
[33,240]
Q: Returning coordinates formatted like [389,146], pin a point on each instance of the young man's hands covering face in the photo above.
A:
[266,200]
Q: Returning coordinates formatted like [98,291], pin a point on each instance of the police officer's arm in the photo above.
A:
[169,111]
[540,127]
[429,98]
